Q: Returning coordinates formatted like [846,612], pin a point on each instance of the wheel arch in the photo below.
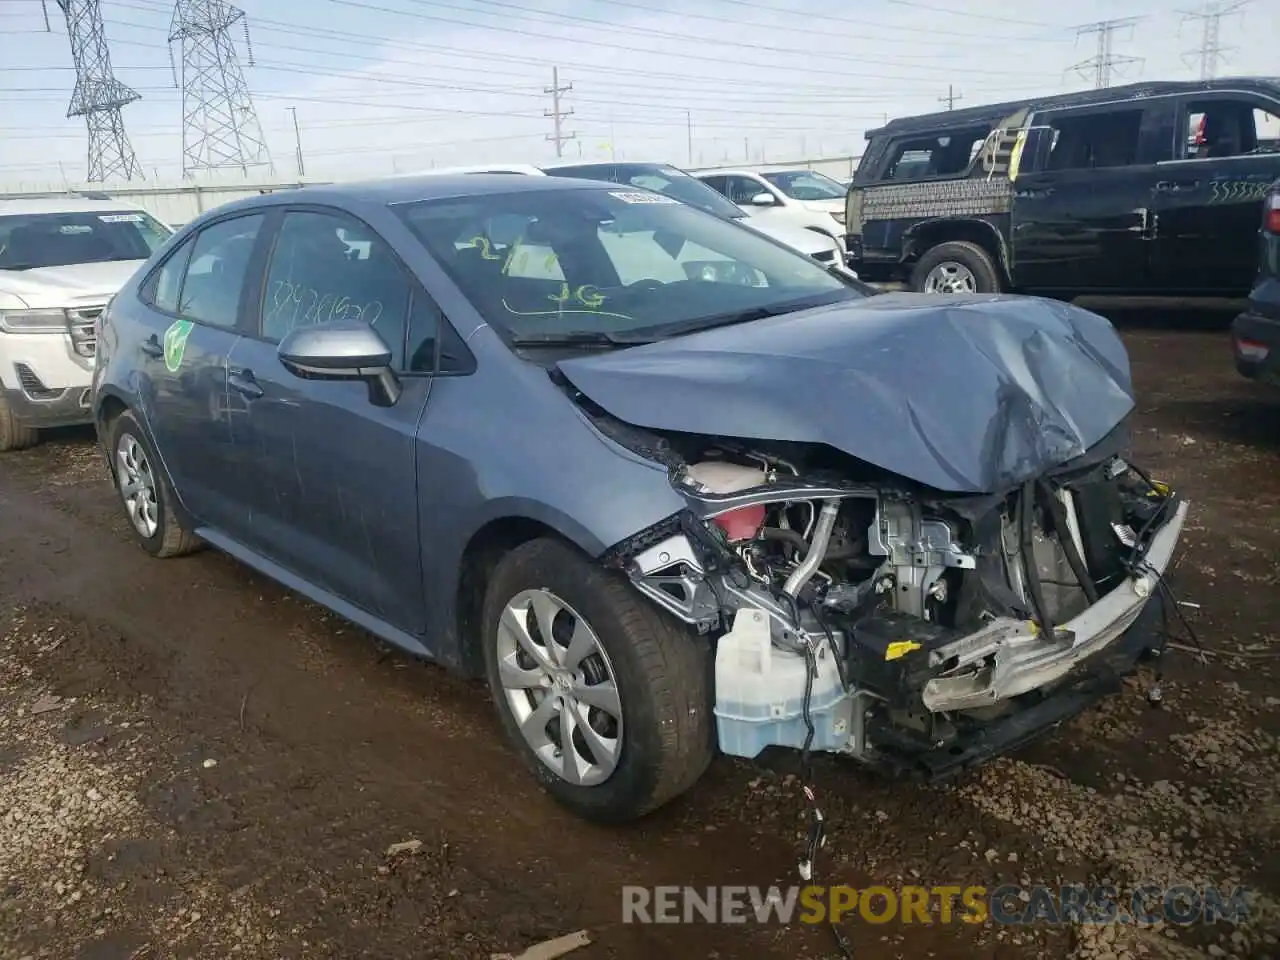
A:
[109,405]
[486,546]
[924,236]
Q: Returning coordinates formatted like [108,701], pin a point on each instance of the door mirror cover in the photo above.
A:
[762,199]
[342,351]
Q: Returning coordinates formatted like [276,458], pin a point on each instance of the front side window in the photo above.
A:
[1218,128]
[165,284]
[806,185]
[741,189]
[329,267]
[612,262]
[216,272]
[35,240]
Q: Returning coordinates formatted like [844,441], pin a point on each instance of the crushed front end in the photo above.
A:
[907,628]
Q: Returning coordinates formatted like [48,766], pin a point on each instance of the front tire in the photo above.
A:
[574,655]
[956,266]
[144,491]
[13,435]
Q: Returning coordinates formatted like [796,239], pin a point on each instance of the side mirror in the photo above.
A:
[342,351]
[762,200]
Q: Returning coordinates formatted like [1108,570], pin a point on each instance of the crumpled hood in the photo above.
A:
[969,394]
[73,284]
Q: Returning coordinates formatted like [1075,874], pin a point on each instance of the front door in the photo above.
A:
[333,484]
[195,303]
[1209,196]
[1082,197]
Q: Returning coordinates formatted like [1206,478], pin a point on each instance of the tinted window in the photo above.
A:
[947,154]
[1084,141]
[327,267]
[215,276]
[163,286]
[29,241]
[606,260]
[742,189]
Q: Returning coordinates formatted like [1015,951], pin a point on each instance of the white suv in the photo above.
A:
[61,260]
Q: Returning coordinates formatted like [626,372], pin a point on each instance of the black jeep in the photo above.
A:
[1152,188]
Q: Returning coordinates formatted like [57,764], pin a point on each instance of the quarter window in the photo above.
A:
[215,276]
[162,289]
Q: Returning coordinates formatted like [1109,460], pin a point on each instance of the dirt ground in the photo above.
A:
[196,763]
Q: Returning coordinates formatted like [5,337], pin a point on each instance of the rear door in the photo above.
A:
[195,300]
[332,478]
[1082,201]
[1209,195]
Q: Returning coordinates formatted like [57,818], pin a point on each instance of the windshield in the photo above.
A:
[611,263]
[806,185]
[33,240]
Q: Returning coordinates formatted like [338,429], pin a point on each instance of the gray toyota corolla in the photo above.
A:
[668,485]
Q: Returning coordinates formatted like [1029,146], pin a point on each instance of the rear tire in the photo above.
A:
[956,266]
[661,676]
[144,491]
[13,435]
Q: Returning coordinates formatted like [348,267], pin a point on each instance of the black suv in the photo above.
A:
[1256,332]
[1142,189]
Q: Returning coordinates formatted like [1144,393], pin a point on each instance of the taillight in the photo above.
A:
[1271,213]
[1251,350]
[741,524]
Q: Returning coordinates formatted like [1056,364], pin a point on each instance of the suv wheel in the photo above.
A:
[144,491]
[13,435]
[956,267]
[606,699]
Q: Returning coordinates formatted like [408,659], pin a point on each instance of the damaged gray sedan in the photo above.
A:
[668,485]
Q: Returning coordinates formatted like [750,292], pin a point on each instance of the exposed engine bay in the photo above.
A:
[894,622]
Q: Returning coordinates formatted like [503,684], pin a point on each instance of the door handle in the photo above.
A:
[1177,186]
[241,380]
[151,347]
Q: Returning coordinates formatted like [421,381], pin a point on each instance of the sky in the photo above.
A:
[383,86]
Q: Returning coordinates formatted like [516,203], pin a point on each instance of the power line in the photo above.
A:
[220,127]
[1211,52]
[951,97]
[1105,60]
[98,96]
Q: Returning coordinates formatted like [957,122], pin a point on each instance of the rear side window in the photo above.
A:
[216,272]
[1087,141]
[947,154]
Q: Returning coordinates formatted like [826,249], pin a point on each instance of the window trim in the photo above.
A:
[188,243]
[1182,114]
[253,320]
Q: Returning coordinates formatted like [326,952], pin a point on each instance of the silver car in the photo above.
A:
[668,485]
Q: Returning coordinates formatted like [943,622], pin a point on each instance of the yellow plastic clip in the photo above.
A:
[900,649]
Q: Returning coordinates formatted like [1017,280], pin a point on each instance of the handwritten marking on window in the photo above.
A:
[291,305]
[563,312]
[486,248]
[585,295]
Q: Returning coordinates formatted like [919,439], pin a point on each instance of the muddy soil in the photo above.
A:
[196,763]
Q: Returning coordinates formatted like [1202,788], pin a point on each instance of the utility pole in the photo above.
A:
[297,142]
[1104,61]
[1211,52]
[746,150]
[559,138]
[98,95]
[951,97]
[688,131]
[220,127]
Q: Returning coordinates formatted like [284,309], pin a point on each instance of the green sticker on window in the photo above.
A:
[175,344]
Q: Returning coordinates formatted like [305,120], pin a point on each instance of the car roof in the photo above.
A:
[62,205]
[525,168]
[995,112]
